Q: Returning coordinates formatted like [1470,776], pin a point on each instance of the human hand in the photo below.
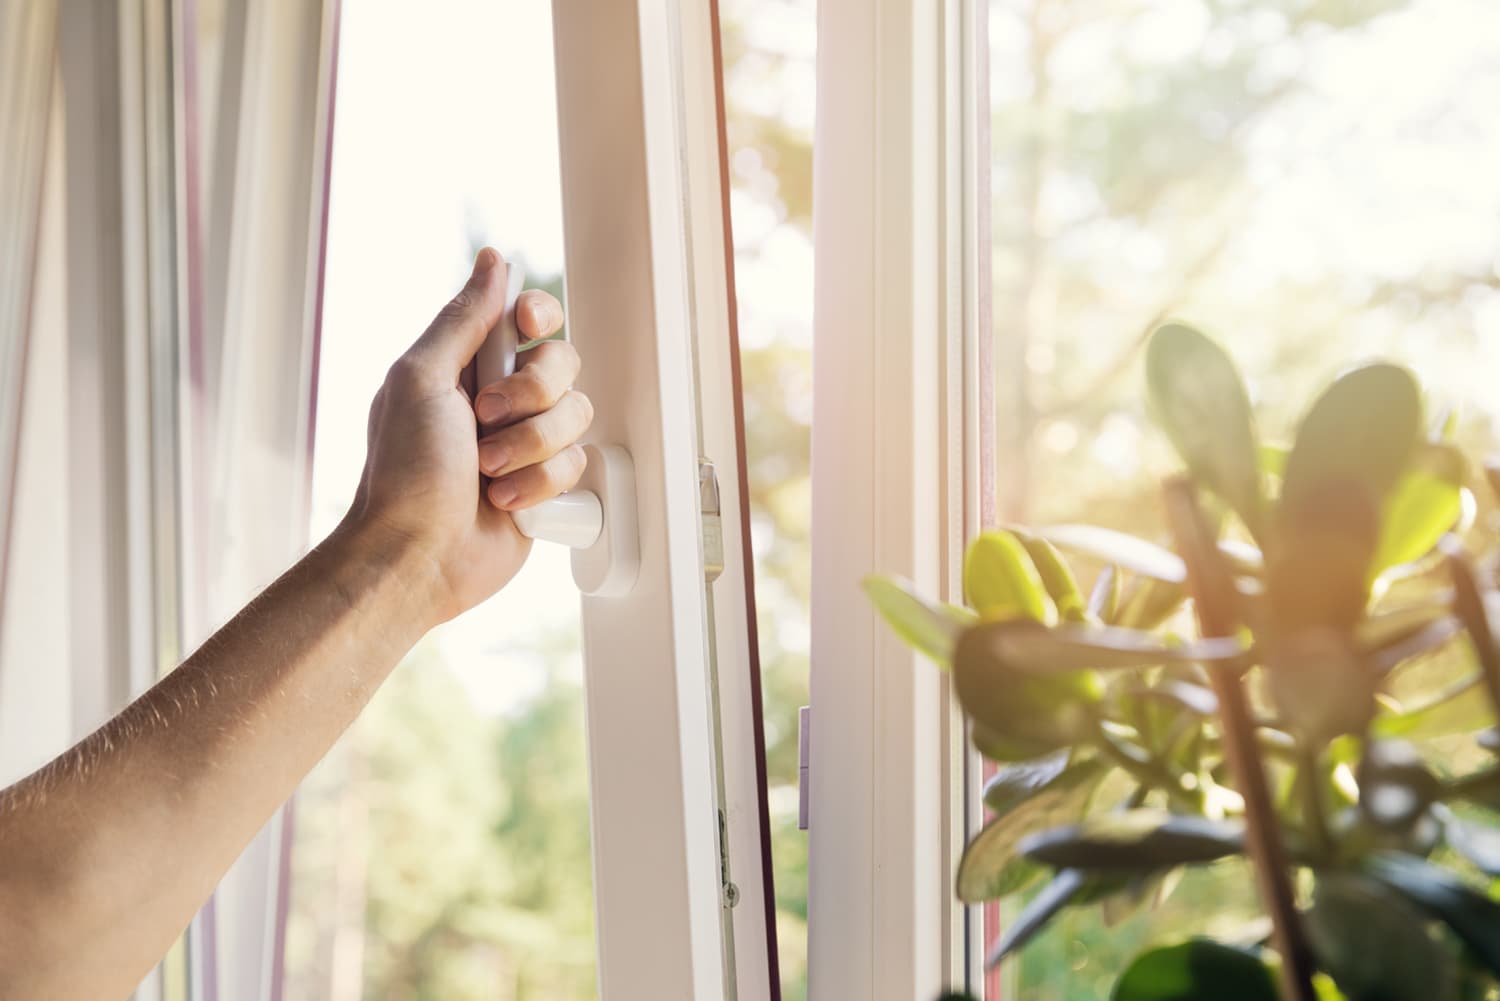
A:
[422,484]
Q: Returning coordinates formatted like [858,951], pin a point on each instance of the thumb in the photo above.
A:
[461,326]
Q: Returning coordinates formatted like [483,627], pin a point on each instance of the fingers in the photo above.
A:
[535,388]
[538,438]
[542,481]
[460,327]
[538,314]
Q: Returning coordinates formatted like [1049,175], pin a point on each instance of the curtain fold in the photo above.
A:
[28,41]
[186,231]
[258,193]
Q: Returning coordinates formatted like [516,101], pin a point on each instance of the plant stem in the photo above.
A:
[1469,605]
[1314,813]
[1149,773]
[1213,598]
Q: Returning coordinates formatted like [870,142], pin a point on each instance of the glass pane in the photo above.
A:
[1258,169]
[769,50]
[442,849]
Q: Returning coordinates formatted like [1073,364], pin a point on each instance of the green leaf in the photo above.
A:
[1025,797]
[928,628]
[1141,892]
[1018,711]
[1426,503]
[1477,842]
[1374,943]
[1034,649]
[1272,459]
[1019,782]
[1321,685]
[1324,989]
[1010,747]
[1104,598]
[1050,901]
[1127,551]
[1148,604]
[1462,707]
[1196,970]
[1351,449]
[1361,432]
[1057,578]
[1395,785]
[1196,699]
[1398,625]
[1474,918]
[1032,689]
[1142,839]
[1000,581]
[1197,395]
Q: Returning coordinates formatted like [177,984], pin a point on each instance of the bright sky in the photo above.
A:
[446,128]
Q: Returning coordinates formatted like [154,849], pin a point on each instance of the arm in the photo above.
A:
[107,852]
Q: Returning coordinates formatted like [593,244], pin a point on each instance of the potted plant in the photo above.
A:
[1246,689]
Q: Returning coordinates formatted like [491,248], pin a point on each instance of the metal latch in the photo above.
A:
[713,521]
[804,767]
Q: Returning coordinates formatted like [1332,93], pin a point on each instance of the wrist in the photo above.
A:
[394,570]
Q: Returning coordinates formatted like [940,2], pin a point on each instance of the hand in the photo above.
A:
[422,482]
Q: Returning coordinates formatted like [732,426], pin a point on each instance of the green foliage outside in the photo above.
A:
[443,854]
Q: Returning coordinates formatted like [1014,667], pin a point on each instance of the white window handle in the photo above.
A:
[596,519]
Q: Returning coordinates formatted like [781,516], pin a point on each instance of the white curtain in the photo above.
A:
[164,448]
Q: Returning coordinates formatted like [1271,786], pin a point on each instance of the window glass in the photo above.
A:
[442,849]
[1311,182]
[769,50]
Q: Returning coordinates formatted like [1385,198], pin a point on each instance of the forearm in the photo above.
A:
[106,853]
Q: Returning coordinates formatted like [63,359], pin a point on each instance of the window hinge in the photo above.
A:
[713,521]
[804,767]
[731,893]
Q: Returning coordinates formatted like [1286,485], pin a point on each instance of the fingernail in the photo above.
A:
[492,456]
[492,408]
[502,493]
[543,314]
[485,260]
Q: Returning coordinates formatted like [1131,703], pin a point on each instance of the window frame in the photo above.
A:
[670,690]
[902,478]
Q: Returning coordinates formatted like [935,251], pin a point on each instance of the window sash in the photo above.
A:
[901,404]
[647,307]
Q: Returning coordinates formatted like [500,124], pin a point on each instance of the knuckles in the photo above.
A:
[460,305]
[406,374]
[586,405]
[563,471]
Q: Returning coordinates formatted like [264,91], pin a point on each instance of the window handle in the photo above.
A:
[597,518]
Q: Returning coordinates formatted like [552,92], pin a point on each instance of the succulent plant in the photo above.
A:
[1235,691]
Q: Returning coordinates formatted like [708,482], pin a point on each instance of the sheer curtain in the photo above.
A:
[162,443]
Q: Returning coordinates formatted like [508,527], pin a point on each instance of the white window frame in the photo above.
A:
[648,310]
[899,485]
